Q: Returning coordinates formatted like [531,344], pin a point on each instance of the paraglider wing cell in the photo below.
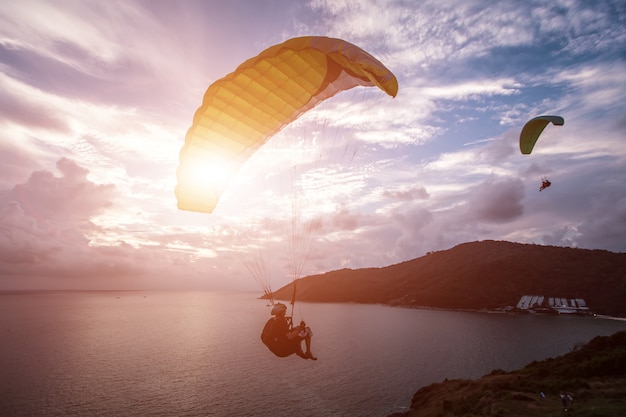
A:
[532,130]
[241,111]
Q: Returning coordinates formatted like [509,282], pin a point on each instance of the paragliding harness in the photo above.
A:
[268,335]
[544,184]
[271,339]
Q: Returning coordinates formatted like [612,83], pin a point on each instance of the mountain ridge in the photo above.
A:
[482,275]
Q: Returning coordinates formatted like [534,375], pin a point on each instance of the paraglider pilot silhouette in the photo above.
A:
[283,339]
[544,184]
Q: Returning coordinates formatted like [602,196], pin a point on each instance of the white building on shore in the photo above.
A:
[560,305]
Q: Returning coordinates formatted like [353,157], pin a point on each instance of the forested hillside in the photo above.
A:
[478,275]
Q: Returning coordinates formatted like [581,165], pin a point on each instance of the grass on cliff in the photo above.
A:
[594,374]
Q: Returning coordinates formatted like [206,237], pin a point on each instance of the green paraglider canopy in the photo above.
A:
[532,130]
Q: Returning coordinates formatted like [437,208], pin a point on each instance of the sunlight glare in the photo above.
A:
[203,176]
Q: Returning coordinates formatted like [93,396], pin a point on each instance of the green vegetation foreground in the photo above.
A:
[594,375]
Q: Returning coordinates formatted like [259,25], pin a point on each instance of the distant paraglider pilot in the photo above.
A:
[283,339]
[544,184]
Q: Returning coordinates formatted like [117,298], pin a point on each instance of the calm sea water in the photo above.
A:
[199,354]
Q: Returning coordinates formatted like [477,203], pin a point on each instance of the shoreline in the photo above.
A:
[515,312]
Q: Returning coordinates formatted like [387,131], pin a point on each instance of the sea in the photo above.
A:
[198,353]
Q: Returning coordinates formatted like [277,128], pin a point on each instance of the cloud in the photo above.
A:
[427,34]
[49,239]
[108,91]
[18,107]
[596,86]
[411,194]
[604,223]
[70,198]
[46,218]
[472,89]
[16,163]
[411,224]
[110,54]
[496,201]
[560,237]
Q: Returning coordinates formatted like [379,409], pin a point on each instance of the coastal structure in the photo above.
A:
[558,305]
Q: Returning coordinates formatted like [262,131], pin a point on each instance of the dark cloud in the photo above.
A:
[344,220]
[605,226]
[496,201]
[410,231]
[477,213]
[533,170]
[411,225]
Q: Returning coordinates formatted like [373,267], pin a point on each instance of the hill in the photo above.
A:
[595,375]
[478,275]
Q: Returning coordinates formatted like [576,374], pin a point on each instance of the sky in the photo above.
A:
[96,98]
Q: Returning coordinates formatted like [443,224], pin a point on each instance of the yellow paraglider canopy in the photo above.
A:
[532,130]
[241,111]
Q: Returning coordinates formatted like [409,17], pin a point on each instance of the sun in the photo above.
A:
[202,177]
